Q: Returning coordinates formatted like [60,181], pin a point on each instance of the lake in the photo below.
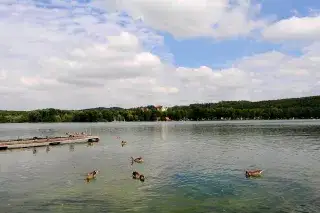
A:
[193,167]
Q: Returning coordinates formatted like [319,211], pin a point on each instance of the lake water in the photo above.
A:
[189,167]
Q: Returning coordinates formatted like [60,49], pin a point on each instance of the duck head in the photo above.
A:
[141,178]
[247,174]
[135,175]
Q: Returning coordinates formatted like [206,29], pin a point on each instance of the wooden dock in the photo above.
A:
[41,142]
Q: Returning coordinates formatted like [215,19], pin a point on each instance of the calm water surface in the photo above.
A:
[189,167]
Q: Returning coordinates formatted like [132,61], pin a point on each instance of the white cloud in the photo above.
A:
[45,59]
[269,75]
[3,75]
[74,62]
[190,18]
[294,29]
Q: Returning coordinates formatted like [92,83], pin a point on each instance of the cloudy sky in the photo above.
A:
[89,53]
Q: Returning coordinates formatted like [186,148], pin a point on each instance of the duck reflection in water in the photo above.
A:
[47,149]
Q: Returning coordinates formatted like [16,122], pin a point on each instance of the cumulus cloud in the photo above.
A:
[269,75]
[189,18]
[294,29]
[80,57]
[67,59]
[283,75]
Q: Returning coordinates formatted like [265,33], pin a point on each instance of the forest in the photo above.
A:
[298,108]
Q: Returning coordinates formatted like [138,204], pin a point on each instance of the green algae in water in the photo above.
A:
[192,194]
[186,192]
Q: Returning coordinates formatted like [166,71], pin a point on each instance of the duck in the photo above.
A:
[137,175]
[137,160]
[123,143]
[92,175]
[253,173]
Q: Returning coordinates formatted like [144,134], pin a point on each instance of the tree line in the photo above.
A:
[298,108]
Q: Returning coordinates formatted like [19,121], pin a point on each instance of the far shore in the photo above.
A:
[173,121]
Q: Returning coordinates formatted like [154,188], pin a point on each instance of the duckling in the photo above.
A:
[253,173]
[123,143]
[137,175]
[137,160]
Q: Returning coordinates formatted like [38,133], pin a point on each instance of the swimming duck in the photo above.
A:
[92,175]
[254,173]
[123,143]
[137,175]
[137,160]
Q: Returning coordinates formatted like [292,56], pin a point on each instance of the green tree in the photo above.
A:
[305,107]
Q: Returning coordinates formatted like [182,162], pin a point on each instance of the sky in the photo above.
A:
[74,54]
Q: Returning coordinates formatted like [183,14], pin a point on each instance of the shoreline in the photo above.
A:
[172,121]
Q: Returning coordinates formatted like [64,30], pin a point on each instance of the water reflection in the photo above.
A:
[229,193]
[35,150]
[71,147]
[89,180]
[164,130]
[189,168]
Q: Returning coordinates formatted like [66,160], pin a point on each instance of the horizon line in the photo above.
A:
[157,105]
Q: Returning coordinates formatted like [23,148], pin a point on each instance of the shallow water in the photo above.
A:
[189,167]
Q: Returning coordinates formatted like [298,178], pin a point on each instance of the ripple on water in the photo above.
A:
[233,194]
[189,167]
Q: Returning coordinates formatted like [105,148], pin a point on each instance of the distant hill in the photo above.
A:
[104,108]
[310,101]
[299,108]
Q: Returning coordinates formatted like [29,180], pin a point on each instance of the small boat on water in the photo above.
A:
[253,173]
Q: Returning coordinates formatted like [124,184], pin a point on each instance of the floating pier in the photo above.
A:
[48,141]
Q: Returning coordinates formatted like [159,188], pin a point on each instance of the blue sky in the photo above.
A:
[216,54]
[141,52]
[286,8]
[219,54]
[195,52]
